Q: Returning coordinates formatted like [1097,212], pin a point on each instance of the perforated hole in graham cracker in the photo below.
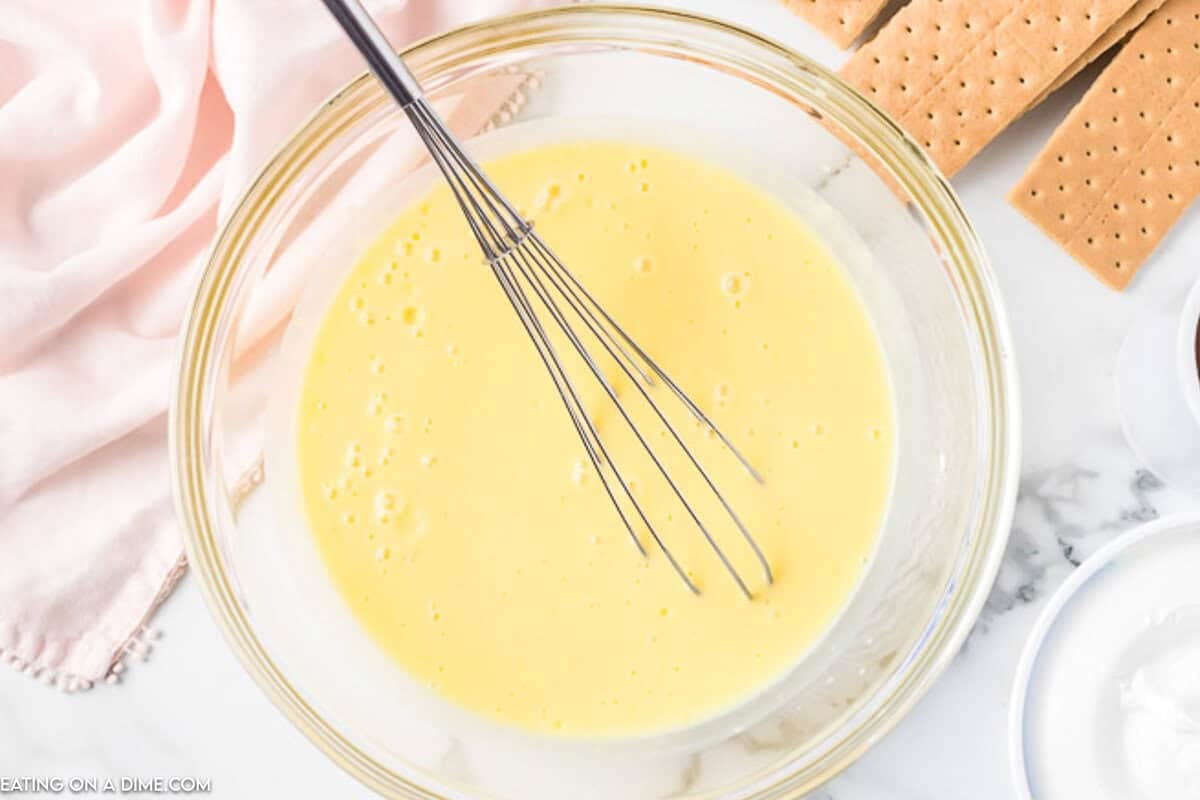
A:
[993,60]
[1143,117]
[842,21]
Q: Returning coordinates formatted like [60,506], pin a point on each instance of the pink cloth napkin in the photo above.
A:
[127,130]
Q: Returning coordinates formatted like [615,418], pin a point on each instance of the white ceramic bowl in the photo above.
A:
[1052,755]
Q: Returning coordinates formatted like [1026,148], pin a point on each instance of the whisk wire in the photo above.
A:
[479,224]
[519,258]
[517,296]
[549,262]
[483,184]
[566,389]
[564,326]
[695,410]
[496,254]
[507,239]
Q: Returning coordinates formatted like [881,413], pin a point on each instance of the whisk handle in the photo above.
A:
[374,47]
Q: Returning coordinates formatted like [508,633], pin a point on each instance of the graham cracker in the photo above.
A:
[843,21]
[1119,30]
[1125,163]
[955,73]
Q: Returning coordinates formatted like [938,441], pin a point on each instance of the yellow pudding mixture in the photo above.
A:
[457,511]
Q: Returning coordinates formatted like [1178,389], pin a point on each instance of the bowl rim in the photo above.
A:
[977,564]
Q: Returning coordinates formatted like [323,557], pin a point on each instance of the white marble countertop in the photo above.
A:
[191,710]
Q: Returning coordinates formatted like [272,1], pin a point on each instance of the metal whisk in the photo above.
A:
[529,272]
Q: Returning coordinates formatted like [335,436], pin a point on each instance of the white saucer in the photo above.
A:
[1158,393]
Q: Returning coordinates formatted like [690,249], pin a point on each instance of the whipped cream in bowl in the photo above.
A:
[1106,703]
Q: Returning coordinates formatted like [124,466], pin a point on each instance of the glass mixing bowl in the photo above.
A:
[908,248]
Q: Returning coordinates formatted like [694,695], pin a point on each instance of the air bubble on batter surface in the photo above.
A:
[722,394]
[376,403]
[579,471]
[412,315]
[388,500]
[550,198]
[734,284]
